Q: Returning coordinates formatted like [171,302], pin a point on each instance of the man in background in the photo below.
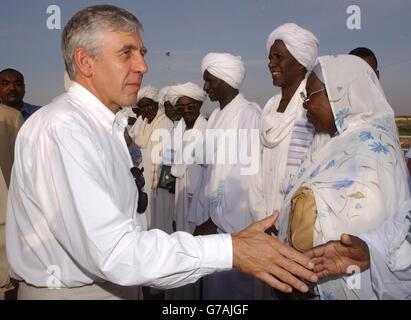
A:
[12,91]
[368,56]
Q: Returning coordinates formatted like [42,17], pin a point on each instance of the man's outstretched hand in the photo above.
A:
[335,257]
[268,259]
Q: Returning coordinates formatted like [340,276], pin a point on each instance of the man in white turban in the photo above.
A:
[187,99]
[284,131]
[164,102]
[220,201]
[155,118]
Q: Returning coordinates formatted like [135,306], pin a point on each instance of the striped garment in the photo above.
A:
[301,140]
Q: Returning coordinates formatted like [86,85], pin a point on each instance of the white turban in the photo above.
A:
[147,92]
[163,96]
[301,43]
[187,89]
[226,67]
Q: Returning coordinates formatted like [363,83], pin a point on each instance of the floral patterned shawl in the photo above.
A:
[359,176]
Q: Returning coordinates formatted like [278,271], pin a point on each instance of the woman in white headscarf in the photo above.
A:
[354,176]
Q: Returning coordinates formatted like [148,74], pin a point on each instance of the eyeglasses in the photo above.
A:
[140,182]
[306,99]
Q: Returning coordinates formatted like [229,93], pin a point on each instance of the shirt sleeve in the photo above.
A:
[87,224]
[233,212]
[390,255]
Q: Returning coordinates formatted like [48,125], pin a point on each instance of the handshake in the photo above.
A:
[283,268]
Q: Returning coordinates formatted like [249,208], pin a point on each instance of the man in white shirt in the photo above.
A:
[71,217]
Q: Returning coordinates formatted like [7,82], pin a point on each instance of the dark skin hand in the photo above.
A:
[335,257]
[206,228]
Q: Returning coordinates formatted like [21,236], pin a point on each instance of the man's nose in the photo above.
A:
[140,65]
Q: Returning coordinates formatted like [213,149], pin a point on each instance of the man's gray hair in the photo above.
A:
[85,30]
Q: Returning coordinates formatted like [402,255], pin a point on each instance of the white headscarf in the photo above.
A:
[147,92]
[187,89]
[358,177]
[301,43]
[226,67]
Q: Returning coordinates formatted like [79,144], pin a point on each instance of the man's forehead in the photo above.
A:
[208,76]
[10,75]
[186,100]
[121,34]
[279,45]
[146,101]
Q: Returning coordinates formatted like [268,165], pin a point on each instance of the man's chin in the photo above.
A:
[277,83]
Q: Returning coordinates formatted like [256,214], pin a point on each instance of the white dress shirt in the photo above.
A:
[72,207]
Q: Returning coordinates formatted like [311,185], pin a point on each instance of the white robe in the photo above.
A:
[4,269]
[228,205]
[147,163]
[390,255]
[268,188]
[187,176]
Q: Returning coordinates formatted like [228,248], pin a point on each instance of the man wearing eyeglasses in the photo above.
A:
[72,220]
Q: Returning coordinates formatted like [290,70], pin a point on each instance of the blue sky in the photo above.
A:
[189,29]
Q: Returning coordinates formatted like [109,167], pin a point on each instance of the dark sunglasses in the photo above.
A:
[140,182]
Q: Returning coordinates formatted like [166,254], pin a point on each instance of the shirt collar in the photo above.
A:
[93,106]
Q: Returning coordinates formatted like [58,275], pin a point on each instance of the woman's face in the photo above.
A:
[319,112]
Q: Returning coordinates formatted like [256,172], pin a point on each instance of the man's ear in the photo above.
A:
[84,62]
